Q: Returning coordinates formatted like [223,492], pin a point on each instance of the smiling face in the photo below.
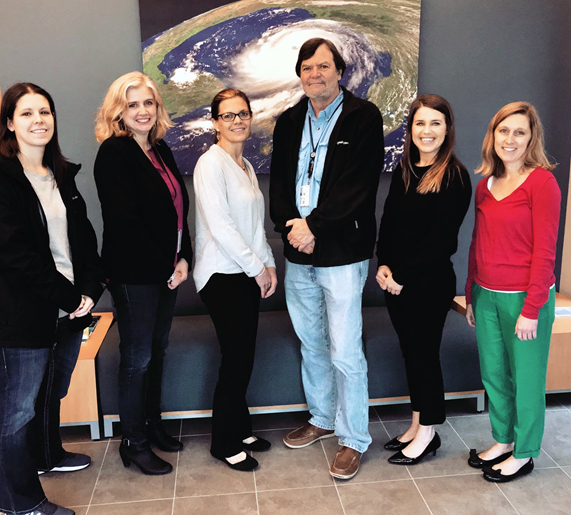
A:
[33,122]
[319,77]
[236,131]
[428,133]
[141,112]
[511,139]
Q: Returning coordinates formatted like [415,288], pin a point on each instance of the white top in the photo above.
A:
[56,221]
[230,234]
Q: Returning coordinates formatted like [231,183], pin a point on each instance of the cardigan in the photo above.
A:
[140,229]
[514,240]
[343,222]
[419,232]
[31,288]
[230,235]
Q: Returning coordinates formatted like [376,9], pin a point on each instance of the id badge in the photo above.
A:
[304,196]
[179,241]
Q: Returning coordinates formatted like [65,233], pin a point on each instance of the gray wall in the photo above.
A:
[478,54]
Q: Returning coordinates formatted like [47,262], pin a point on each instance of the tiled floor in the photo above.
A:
[293,482]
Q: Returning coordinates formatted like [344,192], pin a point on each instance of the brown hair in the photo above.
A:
[535,153]
[109,121]
[309,48]
[431,182]
[226,94]
[53,158]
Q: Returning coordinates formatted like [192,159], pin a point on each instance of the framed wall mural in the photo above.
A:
[252,45]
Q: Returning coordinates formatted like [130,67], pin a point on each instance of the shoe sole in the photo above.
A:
[343,476]
[64,469]
[308,443]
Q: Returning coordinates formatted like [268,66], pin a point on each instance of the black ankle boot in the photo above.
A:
[142,456]
[159,437]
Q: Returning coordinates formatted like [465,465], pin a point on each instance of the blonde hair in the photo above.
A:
[109,121]
[535,153]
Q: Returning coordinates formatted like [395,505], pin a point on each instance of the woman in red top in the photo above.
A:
[510,290]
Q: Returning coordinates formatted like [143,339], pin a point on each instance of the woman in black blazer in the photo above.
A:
[50,278]
[146,254]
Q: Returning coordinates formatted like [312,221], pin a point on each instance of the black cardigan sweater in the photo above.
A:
[140,222]
[31,289]
[419,232]
[343,222]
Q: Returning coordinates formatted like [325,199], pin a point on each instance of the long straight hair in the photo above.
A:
[53,158]
[535,153]
[445,160]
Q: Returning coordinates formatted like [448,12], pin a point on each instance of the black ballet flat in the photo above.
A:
[396,445]
[400,459]
[476,462]
[496,476]
[259,445]
[245,465]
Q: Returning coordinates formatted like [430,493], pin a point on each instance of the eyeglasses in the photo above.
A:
[230,117]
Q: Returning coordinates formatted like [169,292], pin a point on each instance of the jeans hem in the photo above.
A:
[326,427]
[357,448]
[28,510]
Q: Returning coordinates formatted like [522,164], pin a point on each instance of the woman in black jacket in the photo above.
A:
[146,254]
[48,263]
[427,201]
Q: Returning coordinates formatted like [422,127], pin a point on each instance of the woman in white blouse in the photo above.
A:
[234,269]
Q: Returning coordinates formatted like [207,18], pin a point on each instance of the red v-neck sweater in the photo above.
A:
[514,240]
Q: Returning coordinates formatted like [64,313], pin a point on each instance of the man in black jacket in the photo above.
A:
[327,158]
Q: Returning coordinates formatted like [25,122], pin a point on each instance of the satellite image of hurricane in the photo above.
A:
[252,45]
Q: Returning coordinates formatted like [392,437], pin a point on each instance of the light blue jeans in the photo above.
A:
[325,308]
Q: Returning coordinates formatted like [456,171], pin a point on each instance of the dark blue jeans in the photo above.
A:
[21,374]
[144,317]
[46,440]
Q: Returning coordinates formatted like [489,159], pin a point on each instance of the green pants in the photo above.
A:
[513,371]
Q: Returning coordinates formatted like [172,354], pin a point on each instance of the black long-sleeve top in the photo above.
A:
[419,232]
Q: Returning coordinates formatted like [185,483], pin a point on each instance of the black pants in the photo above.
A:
[233,301]
[418,315]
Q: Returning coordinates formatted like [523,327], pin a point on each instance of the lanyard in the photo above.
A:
[314,147]
[159,159]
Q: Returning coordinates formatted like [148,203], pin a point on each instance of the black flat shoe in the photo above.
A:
[158,436]
[396,445]
[496,476]
[400,459]
[142,456]
[476,462]
[258,446]
[245,465]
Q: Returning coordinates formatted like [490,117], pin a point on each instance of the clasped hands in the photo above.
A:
[385,279]
[300,237]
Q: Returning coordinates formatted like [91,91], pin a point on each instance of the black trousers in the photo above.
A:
[233,301]
[418,315]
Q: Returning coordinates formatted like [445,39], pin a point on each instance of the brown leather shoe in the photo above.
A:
[306,435]
[346,463]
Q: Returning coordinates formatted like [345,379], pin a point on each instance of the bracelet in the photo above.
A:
[262,272]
